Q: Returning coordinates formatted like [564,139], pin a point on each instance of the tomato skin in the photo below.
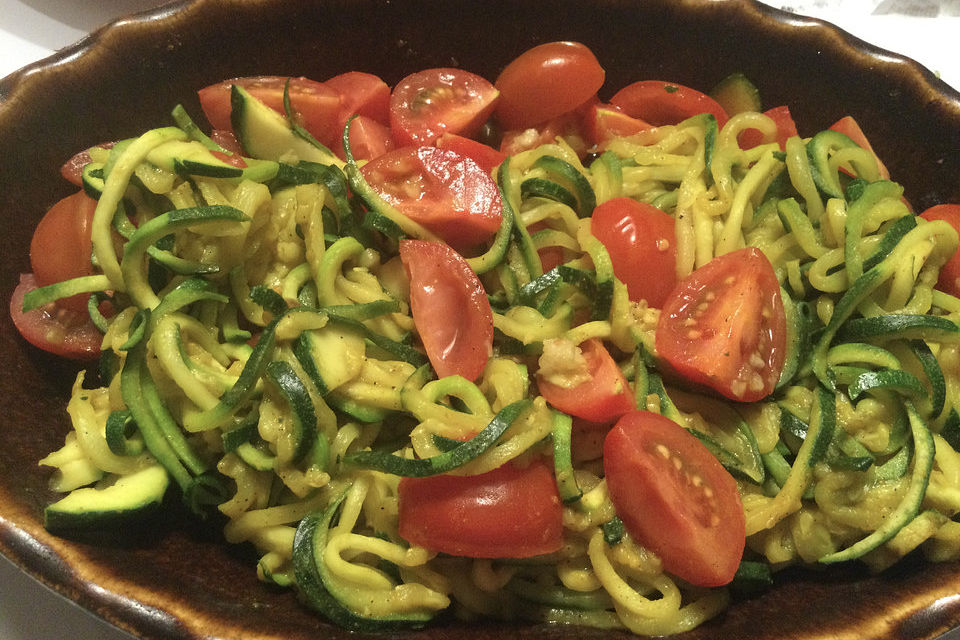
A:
[368,139]
[642,245]
[600,400]
[484,155]
[509,512]
[849,126]
[63,332]
[363,94]
[450,308]
[604,122]
[444,191]
[661,103]
[60,248]
[724,327]
[315,106]
[545,82]
[429,103]
[657,475]
[949,281]
[786,128]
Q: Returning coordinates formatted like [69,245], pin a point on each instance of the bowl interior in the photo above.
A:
[179,581]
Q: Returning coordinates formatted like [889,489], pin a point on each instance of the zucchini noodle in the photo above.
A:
[264,353]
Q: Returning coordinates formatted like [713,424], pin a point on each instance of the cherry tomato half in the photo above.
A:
[60,248]
[601,399]
[429,103]
[315,106]
[545,82]
[849,126]
[450,308]
[368,139]
[510,512]
[723,326]
[642,245]
[661,103]
[605,122]
[675,498]
[444,191]
[63,332]
[949,281]
[484,155]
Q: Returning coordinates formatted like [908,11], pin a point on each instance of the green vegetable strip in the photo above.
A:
[52,292]
[168,426]
[931,368]
[132,268]
[924,451]
[570,491]
[446,461]
[115,433]
[586,198]
[494,256]
[891,379]
[897,325]
[114,187]
[131,390]
[294,391]
[872,195]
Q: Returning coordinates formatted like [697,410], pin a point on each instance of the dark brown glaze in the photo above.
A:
[178,580]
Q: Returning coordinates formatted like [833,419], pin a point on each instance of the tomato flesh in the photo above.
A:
[642,245]
[602,398]
[63,332]
[484,155]
[723,326]
[444,191]
[315,106]
[60,248]
[849,126]
[429,103]
[450,308]
[605,122]
[949,280]
[661,103]
[675,498]
[510,512]
[545,82]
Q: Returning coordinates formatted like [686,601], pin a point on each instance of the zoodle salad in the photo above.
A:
[506,350]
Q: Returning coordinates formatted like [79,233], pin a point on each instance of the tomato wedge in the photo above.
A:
[315,106]
[63,332]
[605,122]
[661,103]
[675,498]
[510,512]
[545,82]
[363,94]
[723,326]
[368,139]
[444,191]
[426,104]
[642,245]
[786,128]
[949,280]
[60,248]
[600,399]
[849,126]
[484,155]
[450,308]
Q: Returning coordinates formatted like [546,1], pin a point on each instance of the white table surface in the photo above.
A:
[925,30]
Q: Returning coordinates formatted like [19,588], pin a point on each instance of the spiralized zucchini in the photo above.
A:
[266,356]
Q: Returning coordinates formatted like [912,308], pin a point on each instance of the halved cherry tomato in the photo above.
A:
[368,139]
[723,326]
[444,191]
[851,128]
[661,103]
[642,245]
[363,94]
[426,104]
[60,248]
[786,128]
[545,82]
[315,106]
[510,512]
[450,308]
[605,122]
[64,332]
[675,498]
[484,155]
[601,399]
[949,281]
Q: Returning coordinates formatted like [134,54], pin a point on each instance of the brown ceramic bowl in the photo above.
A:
[181,581]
